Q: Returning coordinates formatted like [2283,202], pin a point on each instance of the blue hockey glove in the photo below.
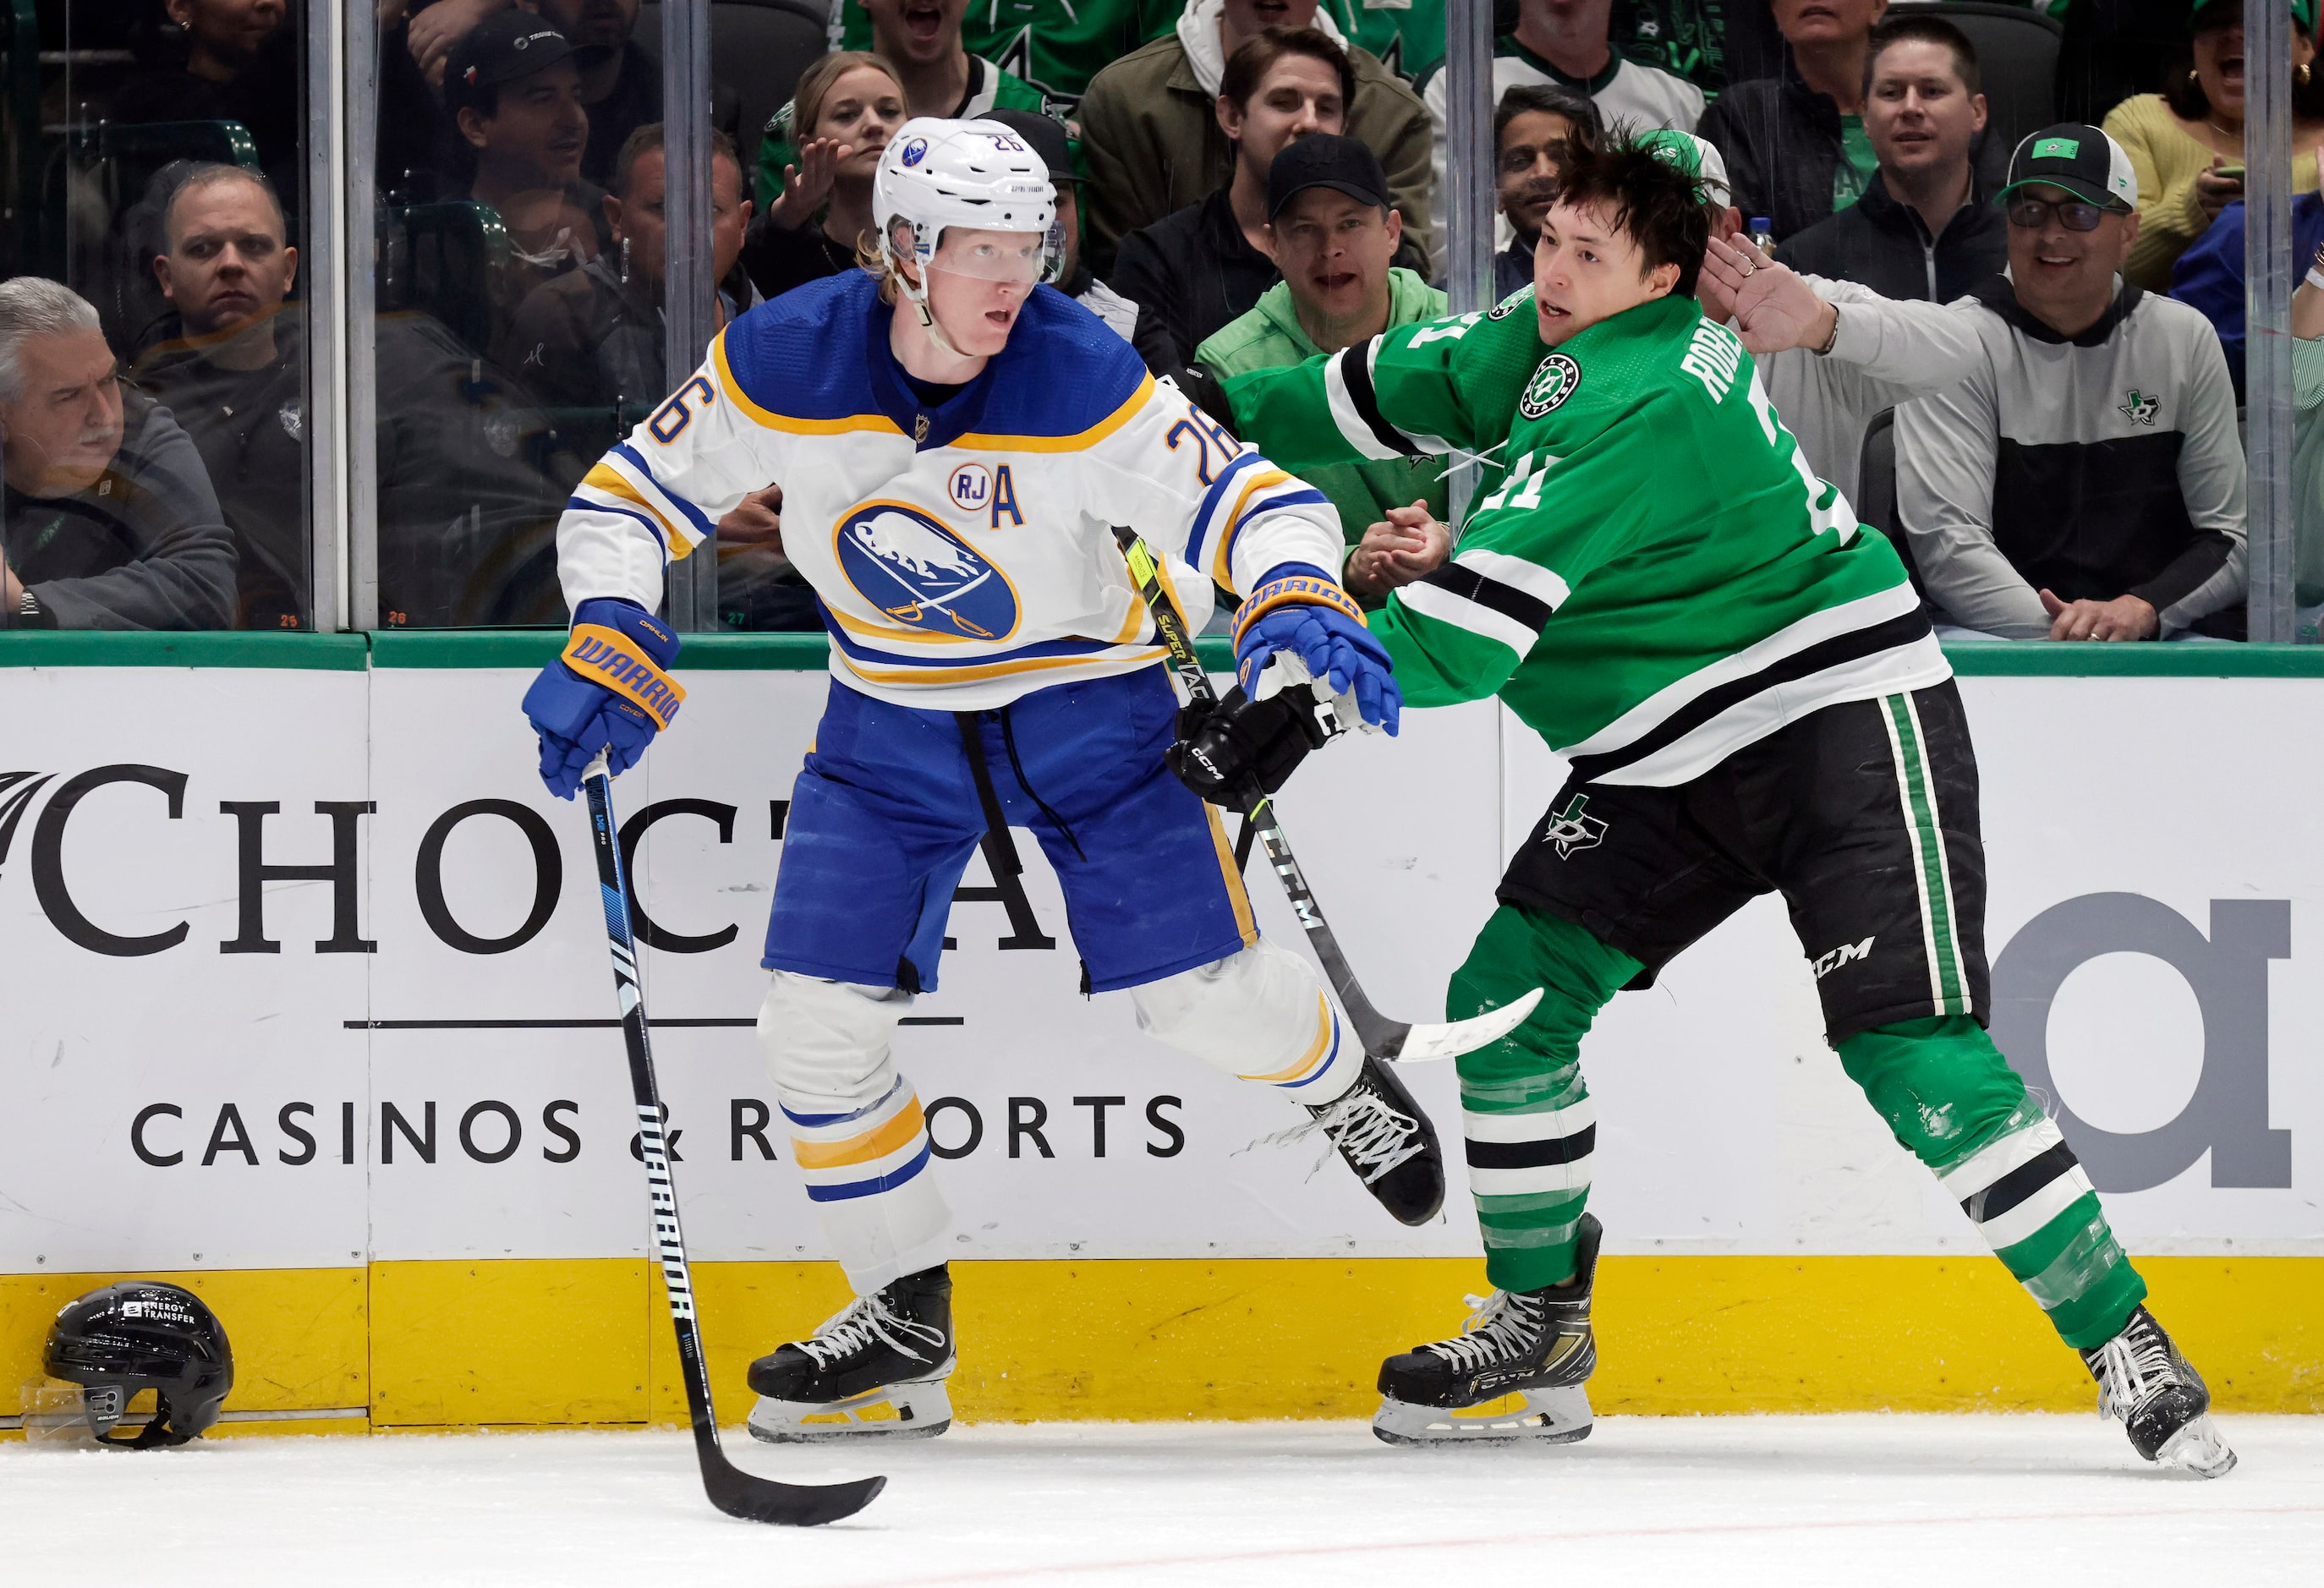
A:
[607,692]
[1301,611]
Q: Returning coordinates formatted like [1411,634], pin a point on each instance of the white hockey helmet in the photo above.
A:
[973,175]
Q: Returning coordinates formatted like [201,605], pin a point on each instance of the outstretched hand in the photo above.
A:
[1771,304]
[808,183]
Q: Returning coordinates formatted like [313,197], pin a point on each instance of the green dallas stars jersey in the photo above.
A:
[1055,45]
[1653,577]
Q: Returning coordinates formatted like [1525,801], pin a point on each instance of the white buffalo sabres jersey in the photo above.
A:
[963,549]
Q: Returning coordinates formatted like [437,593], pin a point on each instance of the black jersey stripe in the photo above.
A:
[1853,646]
[1356,371]
[1466,582]
[1531,1155]
[2019,1184]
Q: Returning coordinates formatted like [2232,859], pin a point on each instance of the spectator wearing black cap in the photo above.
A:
[2073,471]
[2081,479]
[1204,265]
[620,84]
[1334,230]
[513,85]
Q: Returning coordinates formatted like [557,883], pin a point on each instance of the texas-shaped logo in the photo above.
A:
[2142,407]
[913,568]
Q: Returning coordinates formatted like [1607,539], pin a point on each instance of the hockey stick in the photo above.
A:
[732,1490]
[1382,1037]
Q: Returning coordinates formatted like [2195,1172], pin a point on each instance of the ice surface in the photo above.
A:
[1869,1501]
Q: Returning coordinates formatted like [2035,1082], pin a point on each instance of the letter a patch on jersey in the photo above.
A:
[913,568]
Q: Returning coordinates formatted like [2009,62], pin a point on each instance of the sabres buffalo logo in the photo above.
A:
[913,568]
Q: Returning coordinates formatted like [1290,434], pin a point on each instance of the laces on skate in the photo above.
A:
[1499,1324]
[865,1321]
[1373,1134]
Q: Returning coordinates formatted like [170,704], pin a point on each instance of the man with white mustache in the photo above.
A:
[109,520]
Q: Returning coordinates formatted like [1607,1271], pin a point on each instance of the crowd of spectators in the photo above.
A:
[2021,356]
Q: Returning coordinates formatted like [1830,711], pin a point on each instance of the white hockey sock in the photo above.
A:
[856,1130]
[1259,1014]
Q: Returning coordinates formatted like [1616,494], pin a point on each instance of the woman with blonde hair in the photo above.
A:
[846,108]
[2186,144]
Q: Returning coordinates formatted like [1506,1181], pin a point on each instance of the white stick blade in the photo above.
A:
[1455,1037]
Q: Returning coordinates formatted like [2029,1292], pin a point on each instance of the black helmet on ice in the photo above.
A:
[142,1335]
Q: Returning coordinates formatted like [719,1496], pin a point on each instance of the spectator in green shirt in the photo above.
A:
[1333,231]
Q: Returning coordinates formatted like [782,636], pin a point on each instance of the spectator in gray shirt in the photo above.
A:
[2066,453]
[109,520]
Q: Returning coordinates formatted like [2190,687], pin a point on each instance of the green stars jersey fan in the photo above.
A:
[1055,45]
[1653,577]
[1058,45]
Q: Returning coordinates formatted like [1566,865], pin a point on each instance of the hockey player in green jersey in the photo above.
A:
[1751,700]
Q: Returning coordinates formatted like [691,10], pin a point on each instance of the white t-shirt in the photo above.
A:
[1626,93]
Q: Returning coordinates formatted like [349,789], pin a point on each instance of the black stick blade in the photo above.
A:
[784,1505]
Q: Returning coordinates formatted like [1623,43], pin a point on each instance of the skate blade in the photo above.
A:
[1546,1416]
[2196,1448]
[913,1411]
[1454,1037]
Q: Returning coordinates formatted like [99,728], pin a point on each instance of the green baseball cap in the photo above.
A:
[2303,12]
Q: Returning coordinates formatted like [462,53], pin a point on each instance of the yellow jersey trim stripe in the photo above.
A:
[1074,443]
[772,420]
[608,478]
[937,677]
[1307,1062]
[875,1143]
[1260,480]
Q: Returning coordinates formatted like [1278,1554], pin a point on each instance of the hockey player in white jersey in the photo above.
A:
[954,441]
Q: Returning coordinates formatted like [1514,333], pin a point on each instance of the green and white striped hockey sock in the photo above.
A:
[1952,1100]
[1525,1113]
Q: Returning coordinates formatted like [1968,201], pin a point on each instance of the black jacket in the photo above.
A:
[470,479]
[1883,244]
[1782,144]
[143,546]
[1196,271]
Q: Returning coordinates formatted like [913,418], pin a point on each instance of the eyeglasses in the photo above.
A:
[2034,214]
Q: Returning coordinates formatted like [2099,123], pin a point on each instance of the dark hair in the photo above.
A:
[174,180]
[1924,30]
[1579,110]
[646,138]
[1248,67]
[1661,207]
[2182,91]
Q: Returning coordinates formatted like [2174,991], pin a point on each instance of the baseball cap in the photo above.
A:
[1696,156]
[2303,12]
[1046,136]
[1325,160]
[503,46]
[2076,157]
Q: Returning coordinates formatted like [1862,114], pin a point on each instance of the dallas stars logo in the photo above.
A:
[1570,830]
[2142,408]
[1550,385]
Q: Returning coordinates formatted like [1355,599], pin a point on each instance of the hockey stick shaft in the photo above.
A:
[730,1489]
[1379,1035]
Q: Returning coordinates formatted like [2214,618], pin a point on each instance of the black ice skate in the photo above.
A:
[1389,1143]
[1532,1343]
[2147,1385]
[891,1348]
